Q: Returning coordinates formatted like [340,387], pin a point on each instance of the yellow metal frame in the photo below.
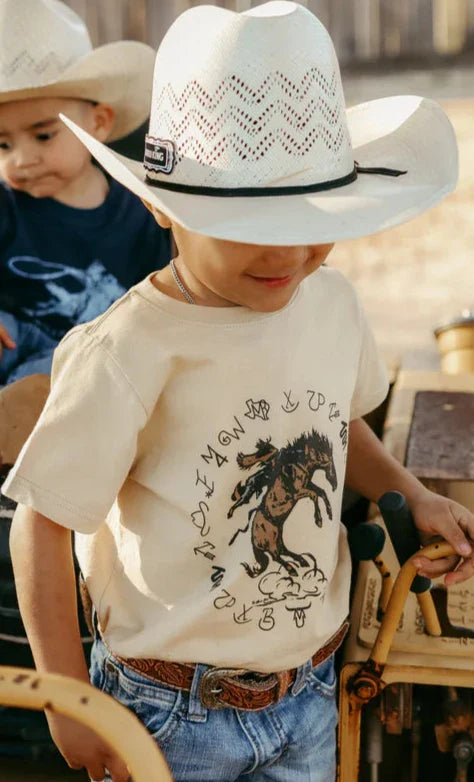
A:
[360,682]
[25,688]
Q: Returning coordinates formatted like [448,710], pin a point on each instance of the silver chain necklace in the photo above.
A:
[179,284]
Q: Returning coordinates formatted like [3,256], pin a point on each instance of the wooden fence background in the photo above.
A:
[362,30]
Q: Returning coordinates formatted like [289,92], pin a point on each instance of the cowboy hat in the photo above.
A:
[45,51]
[250,140]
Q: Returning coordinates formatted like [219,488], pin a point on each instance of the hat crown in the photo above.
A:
[39,40]
[250,100]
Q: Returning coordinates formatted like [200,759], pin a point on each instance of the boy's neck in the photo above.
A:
[87,191]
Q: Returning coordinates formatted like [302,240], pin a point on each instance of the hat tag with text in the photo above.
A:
[160,155]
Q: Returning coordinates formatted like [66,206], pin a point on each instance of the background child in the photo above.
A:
[72,240]
[199,433]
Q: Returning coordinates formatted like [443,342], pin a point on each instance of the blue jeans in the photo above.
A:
[291,741]
[33,352]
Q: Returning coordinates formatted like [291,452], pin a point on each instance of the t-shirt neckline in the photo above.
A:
[200,314]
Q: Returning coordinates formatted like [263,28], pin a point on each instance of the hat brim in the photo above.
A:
[409,133]
[119,74]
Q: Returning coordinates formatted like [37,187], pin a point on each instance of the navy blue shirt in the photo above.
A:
[60,266]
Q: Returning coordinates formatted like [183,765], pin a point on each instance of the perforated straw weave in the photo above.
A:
[248,104]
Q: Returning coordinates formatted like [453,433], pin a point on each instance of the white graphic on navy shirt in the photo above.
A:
[75,295]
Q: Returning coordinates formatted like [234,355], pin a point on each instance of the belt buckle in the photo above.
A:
[209,689]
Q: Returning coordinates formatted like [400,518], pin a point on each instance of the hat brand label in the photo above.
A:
[160,155]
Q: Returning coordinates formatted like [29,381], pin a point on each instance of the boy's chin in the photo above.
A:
[42,189]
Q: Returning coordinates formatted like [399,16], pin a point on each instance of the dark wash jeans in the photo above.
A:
[33,353]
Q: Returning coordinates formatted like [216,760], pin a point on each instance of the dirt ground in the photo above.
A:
[418,275]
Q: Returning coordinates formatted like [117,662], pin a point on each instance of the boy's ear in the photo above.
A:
[160,217]
[103,119]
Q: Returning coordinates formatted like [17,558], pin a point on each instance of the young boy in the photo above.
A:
[71,239]
[198,434]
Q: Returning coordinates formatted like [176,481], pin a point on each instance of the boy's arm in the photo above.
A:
[5,340]
[372,471]
[46,587]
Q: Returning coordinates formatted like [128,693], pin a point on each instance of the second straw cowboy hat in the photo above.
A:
[250,140]
[45,51]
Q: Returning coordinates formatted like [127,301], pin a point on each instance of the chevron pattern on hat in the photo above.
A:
[243,112]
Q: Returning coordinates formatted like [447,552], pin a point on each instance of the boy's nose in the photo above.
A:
[279,253]
[26,156]
[287,257]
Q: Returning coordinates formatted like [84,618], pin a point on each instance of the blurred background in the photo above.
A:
[417,276]
[362,30]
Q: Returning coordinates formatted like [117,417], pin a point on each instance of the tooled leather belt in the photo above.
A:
[237,688]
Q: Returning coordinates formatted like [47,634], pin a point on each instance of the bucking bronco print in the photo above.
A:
[284,477]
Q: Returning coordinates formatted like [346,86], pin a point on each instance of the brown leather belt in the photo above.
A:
[237,688]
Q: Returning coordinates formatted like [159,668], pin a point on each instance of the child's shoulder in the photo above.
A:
[126,339]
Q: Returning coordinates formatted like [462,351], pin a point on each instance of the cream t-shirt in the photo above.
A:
[200,454]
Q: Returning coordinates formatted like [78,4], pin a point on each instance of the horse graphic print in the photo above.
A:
[284,477]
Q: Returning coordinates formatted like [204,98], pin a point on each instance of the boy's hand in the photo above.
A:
[82,748]
[5,340]
[439,516]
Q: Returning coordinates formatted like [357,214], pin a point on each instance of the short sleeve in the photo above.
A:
[371,385]
[79,454]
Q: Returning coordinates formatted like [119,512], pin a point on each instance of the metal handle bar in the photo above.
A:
[26,688]
[366,684]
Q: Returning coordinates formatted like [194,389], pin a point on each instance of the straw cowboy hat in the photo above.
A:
[45,51]
[250,140]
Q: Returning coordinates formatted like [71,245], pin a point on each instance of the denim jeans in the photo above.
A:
[33,352]
[291,741]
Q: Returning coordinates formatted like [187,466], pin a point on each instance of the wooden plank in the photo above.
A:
[440,444]
[111,20]
[362,30]
[425,26]
[470,22]
[409,12]
[320,8]
[160,17]
[399,416]
[367,30]
[91,18]
[450,21]
[390,28]
[419,27]
[239,5]
[79,6]
[341,28]
[136,21]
